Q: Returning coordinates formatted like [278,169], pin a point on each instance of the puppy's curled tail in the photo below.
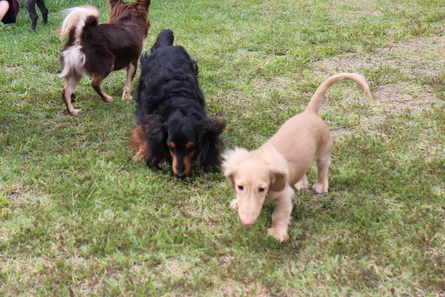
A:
[165,38]
[77,19]
[314,104]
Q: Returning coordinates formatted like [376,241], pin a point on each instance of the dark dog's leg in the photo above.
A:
[96,86]
[70,84]
[43,10]
[31,8]
[131,71]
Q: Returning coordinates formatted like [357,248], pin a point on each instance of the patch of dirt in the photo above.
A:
[402,88]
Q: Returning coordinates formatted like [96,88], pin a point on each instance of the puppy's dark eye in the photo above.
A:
[261,190]
[240,188]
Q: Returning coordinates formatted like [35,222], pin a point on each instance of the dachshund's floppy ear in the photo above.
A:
[156,137]
[231,160]
[211,144]
[278,168]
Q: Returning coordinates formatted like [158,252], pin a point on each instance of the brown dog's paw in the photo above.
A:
[75,112]
[107,98]
[278,234]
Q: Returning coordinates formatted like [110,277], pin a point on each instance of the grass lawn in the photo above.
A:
[79,218]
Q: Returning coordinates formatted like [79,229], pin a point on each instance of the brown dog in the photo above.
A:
[95,50]
[267,174]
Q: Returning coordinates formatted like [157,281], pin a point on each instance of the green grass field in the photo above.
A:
[79,218]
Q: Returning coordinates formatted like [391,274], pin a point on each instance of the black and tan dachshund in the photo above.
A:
[171,122]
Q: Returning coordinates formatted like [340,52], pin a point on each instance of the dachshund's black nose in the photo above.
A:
[182,175]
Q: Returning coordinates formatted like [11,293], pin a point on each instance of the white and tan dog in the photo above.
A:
[267,174]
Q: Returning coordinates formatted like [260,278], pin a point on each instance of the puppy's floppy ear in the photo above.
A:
[279,171]
[279,178]
[231,160]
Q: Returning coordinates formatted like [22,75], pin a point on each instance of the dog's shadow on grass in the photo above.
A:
[196,174]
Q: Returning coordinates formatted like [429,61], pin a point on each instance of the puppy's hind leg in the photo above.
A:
[322,184]
[71,82]
[303,183]
[323,158]
[131,71]
[97,80]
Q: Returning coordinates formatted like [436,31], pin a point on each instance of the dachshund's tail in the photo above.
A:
[165,38]
[314,104]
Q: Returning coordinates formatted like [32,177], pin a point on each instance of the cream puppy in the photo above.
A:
[267,175]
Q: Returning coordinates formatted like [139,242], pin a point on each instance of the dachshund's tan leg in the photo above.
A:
[140,153]
[137,142]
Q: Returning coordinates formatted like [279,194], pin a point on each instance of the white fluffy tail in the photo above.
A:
[74,23]
[76,18]
[314,104]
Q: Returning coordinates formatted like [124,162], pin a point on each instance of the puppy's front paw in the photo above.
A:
[278,234]
[320,188]
[234,203]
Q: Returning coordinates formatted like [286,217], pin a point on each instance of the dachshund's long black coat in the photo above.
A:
[171,122]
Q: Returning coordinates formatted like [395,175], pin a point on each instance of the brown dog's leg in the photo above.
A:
[70,84]
[282,212]
[137,142]
[131,71]
[96,86]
